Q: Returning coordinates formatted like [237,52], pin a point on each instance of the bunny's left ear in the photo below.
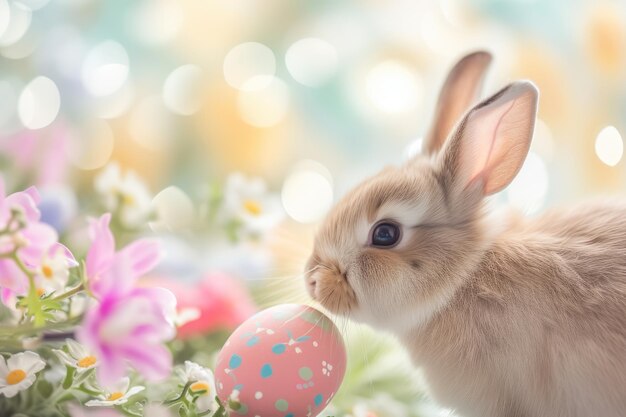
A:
[460,90]
[491,142]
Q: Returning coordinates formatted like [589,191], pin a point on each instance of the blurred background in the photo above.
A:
[229,128]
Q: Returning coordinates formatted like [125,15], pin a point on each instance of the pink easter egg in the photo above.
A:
[286,361]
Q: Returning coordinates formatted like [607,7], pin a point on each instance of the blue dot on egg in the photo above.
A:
[235,361]
[253,341]
[266,371]
[318,399]
[279,348]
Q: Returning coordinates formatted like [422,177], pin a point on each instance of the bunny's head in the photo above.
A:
[395,249]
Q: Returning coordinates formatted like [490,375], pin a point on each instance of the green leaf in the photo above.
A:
[234,405]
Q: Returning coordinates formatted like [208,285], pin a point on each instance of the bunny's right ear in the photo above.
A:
[491,142]
[460,90]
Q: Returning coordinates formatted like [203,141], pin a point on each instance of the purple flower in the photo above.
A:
[128,325]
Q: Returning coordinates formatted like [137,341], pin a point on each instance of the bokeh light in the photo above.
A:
[25,46]
[311,61]
[182,92]
[307,193]
[5,16]
[266,106]
[543,141]
[32,4]
[105,68]
[19,20]
[413,149]
[609,146]
[156,22]
[174,210]
[528,190]
[39,103]
[249,66]
[115,104]
[393,88]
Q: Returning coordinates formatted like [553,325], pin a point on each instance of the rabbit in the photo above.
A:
[506,316]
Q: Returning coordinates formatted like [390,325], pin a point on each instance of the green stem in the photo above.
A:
[33,300]
[7,227]
[29,329]
[181,396]
[22,267]
[69,377]
[221,410]
[58,393]
[69,293]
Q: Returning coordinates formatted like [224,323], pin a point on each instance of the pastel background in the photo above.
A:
[156,109]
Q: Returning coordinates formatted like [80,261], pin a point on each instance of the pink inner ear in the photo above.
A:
[496,138]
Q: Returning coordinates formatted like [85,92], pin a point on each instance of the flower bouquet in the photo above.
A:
[84,332]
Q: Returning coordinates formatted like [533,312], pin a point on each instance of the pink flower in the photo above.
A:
[220,301]
[33,241]
[43,156]
[130,329]
[128,325]
[26,201]
[140,256]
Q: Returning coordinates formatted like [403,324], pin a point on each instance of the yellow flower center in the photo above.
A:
[15,376]
[200,386]
[40,291]
[128,199]
[47,272]
[87,361]
[253,207]
[115,396]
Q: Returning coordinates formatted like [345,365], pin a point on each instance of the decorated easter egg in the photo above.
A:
[286,361]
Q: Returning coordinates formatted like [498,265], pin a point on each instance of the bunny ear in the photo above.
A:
[460,90]
[490,144]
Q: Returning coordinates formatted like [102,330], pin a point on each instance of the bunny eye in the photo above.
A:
[385,234]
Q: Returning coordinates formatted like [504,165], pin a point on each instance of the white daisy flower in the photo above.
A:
[79,357]
[19,372]
[54,272]
[202,380]
[117,394]
[125,194]
[247,200]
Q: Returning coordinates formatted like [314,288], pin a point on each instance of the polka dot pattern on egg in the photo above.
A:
[286,361]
